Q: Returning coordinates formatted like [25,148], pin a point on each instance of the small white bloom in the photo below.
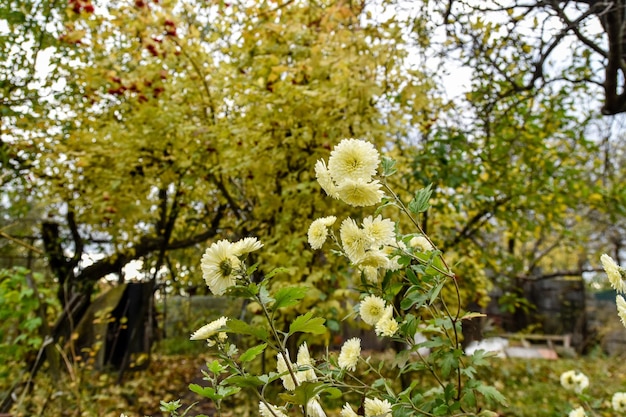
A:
[246,245]
[350,353]
[347,411]
[375,259]
[421,243]
[359,192]
[353,240]
[370,273]
[286,377]
[209,330]
[353,158]
[304,361]
[387,325]
[618,402]
[377,408]
[325,180]
[265,411]
[574,381]
[577,412]
[318,231]
[613,272]
[372,309]
[380,231]
[621,308]
[220,266]
[314,409]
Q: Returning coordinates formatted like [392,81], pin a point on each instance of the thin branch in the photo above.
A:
[21,243]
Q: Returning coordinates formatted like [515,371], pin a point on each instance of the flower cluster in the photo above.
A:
[375,312]
[574,381]
[374,247]
[222,263]
[371,247]
[578,382]
[616,275]
[349,173]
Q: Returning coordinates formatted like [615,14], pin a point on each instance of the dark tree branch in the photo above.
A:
[147,245]
[474,224]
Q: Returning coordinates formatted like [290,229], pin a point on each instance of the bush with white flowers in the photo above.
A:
[399,278]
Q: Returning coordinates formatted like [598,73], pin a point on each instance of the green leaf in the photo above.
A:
[227,391]
[306,323]
[449,362]
[420,204]
[206,392]
[413,297]
[170,406]
[491,394]
[252,353]
[388,166]
[241,327]
[264,295]
[276,271]
[303,393]
[289,296]
[435,292]
[215,367]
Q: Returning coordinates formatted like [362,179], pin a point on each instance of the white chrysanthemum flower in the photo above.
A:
[374,259]
[281,368]
[380,231]
[314,409]
[370,273]
[567,380]
[372,309]
[621,308]
[353,240]
[350,353]
[377,408]
[246,245]
[353,158]
[582,382]
[265,411]
[574,381]
[220,266]
[318,231]
[577,412]
[387,325]
[359,192]
[347,411]
[613,272]
[305,363]
[209,330]
[618,402]
[421,243]
[325,180]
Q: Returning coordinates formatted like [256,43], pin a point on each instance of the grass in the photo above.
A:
[532,388]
